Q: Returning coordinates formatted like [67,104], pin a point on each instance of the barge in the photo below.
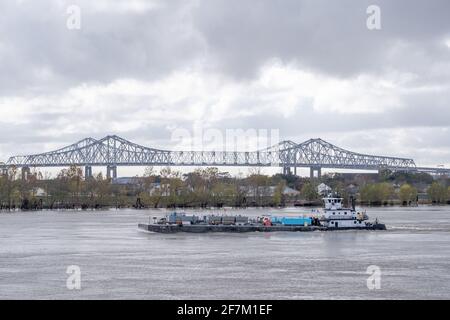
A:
[333,217]
[202,228]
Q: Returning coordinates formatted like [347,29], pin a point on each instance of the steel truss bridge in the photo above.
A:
[113,151]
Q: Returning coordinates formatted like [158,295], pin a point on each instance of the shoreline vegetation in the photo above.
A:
[210,188]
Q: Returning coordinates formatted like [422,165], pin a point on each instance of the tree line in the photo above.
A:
[206,187]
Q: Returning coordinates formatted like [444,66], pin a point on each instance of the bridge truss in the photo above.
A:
[113,151]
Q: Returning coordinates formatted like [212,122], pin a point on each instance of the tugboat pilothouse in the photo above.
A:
[336,217]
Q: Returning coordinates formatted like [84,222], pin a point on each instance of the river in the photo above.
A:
[118,261]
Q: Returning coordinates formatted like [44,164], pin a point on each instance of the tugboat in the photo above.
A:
[335,216]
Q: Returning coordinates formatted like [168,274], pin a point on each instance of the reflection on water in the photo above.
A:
[117,260]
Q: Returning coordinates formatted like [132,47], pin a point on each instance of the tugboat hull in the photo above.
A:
[378,226]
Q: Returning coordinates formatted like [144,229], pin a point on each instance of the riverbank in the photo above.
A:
[223,209]
[204,188]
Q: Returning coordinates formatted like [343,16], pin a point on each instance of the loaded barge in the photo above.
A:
[333,217]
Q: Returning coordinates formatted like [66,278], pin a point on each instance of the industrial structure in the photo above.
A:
[113,151]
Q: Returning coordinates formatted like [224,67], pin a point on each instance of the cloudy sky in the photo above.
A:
[309,68]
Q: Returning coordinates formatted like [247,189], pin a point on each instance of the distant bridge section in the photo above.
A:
[113,151]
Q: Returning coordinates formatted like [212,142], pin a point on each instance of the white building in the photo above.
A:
[289,192]
[39,192]
[323,189]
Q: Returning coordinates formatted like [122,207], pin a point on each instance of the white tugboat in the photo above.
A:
[335,216]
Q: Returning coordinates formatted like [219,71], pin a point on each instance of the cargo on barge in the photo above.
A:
[333,217]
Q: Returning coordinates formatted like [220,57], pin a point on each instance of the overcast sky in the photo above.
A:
[310,68]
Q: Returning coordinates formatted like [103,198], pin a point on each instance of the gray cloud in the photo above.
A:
[44,55]
[232,36]
[328,36]
[42,62]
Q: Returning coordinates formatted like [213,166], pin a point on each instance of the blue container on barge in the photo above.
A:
[292,221]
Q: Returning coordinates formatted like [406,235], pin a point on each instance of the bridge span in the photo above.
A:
[113,151]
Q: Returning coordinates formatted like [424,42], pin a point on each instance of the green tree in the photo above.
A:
[198,191]
[377,193]
[171,187]
[339,187]
[309,192]
[69,185]
[278,199]
[386,191]
[102,190]
[448,194]
[407,194]
[10,194]
[222,193]
[259,185]
[437,193]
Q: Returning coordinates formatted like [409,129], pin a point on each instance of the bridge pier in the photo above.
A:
[315,169]
[111,172]
[87,172]
[25,173]
[287,171]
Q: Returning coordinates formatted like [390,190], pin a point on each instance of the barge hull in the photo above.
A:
[173,228]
